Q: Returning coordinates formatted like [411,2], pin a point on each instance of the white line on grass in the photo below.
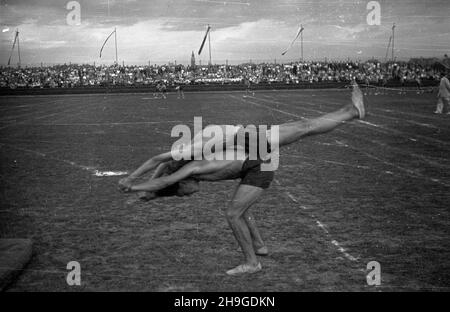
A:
[94,171]
[322,226]
[109,173]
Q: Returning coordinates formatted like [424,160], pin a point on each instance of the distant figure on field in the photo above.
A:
[180,91]
[443,96]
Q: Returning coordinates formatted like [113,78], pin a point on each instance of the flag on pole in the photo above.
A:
[105,42]
[296,37]
[204,40]
[14,44]
[387,50]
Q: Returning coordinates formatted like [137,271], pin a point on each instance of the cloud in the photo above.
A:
[151,39]
[163,30]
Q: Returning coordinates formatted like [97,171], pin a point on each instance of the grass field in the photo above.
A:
[371,190]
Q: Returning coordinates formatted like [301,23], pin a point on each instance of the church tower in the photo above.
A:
[192,60]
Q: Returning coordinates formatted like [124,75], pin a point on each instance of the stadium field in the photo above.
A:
[372,190]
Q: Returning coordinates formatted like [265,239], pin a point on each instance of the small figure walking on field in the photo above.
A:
[443,96]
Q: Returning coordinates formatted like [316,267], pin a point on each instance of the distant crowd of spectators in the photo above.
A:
[74,75]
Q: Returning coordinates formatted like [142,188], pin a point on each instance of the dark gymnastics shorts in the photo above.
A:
[254,176]
[251,169]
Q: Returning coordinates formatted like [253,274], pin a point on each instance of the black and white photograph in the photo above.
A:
[245,147]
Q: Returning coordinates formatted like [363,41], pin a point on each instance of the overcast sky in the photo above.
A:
[168,30]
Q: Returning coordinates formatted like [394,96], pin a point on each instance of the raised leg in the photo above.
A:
[294,131]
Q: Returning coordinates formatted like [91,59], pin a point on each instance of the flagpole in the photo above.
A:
[18,45]
[393,38]
[301,38]
[387,50]
[12,49]
[115,40]
[209,43]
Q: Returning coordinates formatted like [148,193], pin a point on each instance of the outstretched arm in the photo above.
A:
[194,148]
[160,183]
[150,164]
[154,162]
[160,170]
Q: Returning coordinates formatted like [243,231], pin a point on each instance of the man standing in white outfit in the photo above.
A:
[443,96]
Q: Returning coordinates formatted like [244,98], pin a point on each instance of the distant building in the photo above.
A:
[192,60]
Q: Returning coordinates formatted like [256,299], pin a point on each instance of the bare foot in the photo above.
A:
[262,251]
[245,268]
